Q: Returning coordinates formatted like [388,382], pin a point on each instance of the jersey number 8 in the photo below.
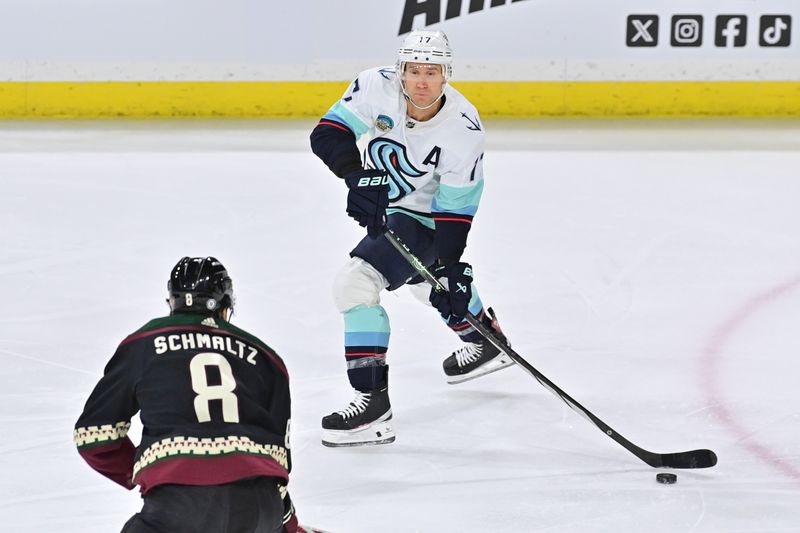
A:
[206,392]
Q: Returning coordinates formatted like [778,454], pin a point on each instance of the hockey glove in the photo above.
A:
[368,198]
[455,302]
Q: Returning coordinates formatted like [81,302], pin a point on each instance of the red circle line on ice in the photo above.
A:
[713,354]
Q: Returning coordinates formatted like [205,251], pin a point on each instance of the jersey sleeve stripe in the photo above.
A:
[452,219]
[339,113]
[458,199]
[85,437]
[335,125]
[437,209]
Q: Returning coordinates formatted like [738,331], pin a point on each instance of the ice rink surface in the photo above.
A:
[651,269]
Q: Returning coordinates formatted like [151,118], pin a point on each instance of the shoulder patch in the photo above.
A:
[384,123]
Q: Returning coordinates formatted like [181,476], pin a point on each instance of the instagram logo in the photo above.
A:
[687,30]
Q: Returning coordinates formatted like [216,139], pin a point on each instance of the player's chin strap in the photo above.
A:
[421,108]
[689,459]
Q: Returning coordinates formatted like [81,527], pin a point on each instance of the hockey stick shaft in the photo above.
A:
[688,459]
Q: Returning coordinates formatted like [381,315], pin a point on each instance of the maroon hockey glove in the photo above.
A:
[455,302]
[368,198]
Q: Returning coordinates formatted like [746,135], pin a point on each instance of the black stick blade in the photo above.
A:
[691,459]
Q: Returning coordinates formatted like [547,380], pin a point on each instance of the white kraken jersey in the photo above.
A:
[435,165]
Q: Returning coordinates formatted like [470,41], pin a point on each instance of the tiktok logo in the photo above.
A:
[775,30]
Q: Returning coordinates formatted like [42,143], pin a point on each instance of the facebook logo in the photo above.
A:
[731,31]
[642,30]
[775,30]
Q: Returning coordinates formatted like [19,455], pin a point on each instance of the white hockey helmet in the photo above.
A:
[426,46]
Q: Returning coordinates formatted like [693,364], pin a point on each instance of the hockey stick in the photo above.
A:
[689,459]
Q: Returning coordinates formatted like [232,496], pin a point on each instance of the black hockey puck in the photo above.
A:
[667,479]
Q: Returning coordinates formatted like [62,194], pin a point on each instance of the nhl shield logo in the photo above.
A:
[384,123]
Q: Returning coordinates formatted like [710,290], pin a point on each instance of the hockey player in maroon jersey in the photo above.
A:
[215,408]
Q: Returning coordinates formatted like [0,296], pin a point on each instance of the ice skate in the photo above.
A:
[366,420]
[476,359]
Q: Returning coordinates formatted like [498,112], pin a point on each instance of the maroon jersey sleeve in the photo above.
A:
[101,431]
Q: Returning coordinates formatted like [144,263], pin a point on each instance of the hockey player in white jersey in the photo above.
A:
[421,176]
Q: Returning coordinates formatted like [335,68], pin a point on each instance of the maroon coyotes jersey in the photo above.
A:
[214,403]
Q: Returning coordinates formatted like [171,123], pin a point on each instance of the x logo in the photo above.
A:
[642,30]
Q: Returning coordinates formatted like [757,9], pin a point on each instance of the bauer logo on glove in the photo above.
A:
[374,181]
[455,301]
[368,198]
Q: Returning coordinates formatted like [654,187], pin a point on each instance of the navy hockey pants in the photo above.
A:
[382,255]
[245,506]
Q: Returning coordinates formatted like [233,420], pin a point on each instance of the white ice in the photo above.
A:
[649,269]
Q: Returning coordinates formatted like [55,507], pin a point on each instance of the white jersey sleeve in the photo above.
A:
[461,181]
[360,103]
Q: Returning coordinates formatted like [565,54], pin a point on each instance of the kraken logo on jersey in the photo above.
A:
[391,156]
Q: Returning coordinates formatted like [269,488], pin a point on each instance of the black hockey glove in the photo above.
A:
[368,198]
[455,302]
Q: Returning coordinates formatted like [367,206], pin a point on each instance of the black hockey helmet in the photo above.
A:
[199,285]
